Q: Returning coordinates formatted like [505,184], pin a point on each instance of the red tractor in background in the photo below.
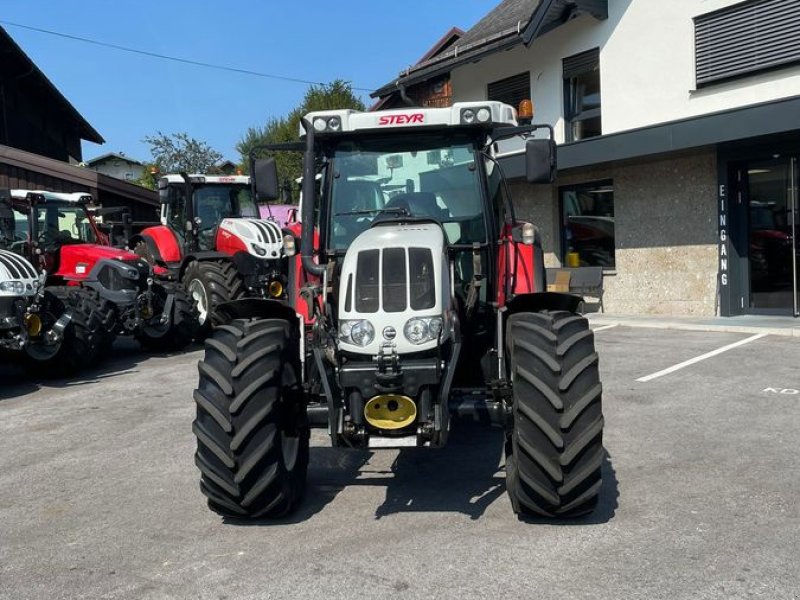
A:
[212,241]
[61,238]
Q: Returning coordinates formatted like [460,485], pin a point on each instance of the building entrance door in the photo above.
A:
[773,220]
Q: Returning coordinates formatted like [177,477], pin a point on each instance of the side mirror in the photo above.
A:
[540,161]
[265,176]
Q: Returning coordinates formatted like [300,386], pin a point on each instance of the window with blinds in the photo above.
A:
[511,90]
[746,38]
[582,114]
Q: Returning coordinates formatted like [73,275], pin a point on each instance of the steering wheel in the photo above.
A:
[48,238]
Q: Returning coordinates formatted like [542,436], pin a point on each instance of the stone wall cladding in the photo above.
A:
[665,227]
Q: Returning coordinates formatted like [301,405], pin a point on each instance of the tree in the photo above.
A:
[149,176]
[337,94]
[178,152]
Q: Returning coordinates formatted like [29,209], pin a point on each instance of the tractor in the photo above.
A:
[420,298]
[215,245]
[63,240]
[54,330]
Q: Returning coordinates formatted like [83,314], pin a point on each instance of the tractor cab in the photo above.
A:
[213,198]
[46,222]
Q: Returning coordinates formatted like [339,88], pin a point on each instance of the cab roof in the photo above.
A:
[74,197]
[484,115]
[208,179]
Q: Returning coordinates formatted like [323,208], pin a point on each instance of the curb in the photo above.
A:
[677,325]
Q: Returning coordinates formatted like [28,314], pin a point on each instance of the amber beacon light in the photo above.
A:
[525,111]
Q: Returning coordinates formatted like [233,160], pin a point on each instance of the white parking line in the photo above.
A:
[604,327]
[697,359]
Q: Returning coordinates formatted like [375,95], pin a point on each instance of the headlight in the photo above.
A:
[289,248]
[320,124]
[258,250]
[420,330]
[357,332]
[13,287]
[481,114]
[334,124]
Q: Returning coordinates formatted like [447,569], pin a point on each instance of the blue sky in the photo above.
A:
[126,97]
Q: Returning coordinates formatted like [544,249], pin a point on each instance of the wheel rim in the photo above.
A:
[290,448]
[42,352]
[198,293]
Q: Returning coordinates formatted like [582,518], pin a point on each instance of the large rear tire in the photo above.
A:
[83,337]
[554,453]
[209,284]
[251,429]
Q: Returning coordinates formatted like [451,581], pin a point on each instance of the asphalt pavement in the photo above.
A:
[99,495]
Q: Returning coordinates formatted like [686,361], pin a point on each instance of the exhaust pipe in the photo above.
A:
[309,194]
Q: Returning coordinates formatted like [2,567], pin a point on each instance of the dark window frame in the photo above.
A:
[749,38]
[520,89]
[562,224]
[572,67]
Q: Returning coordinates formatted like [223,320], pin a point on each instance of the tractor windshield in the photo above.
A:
[63,223]
[216,202]
[419,175]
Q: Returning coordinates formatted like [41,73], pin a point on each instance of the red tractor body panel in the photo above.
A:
[77,260]
[229,243]
[300,275]
[517,262]
[166,242]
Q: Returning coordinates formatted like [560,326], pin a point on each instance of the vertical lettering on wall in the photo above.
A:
[723,236]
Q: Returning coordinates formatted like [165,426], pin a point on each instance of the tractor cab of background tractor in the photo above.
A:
[212,241]
[118,287]
[46,222]
[212,199]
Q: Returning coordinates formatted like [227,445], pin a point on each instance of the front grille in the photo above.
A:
[113,280]
[367,286]
[394,280]
[423,288]
[18,267]
[406,277]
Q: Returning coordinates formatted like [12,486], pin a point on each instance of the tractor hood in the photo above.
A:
[260,237]
[17,276]
[77,260]
[395,289]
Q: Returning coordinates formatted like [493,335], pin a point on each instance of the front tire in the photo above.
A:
[251,430]
[83,337]
[209,284]
[181,327]
[554,453]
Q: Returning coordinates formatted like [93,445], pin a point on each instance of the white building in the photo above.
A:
[117,165]
[678,124]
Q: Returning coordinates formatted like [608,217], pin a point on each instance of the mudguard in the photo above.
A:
[200,256]
[255,308]
[543,301]
[167,247]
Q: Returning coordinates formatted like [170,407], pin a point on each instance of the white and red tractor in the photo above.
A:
[212,241]
[421,296]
